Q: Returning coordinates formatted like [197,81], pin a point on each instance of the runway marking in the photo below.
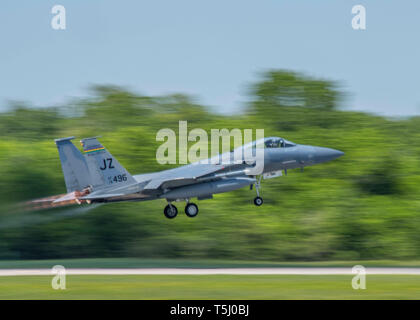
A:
[212,271]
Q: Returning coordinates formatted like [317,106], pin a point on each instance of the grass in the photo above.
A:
[211,287]
[206,287]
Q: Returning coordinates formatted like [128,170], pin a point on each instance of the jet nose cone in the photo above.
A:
[340,153]
[334,154]
[327,154]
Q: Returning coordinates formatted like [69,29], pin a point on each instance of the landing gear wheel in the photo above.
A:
[258,201]
[170,211]
[191,210]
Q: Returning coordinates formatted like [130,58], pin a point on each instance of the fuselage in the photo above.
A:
[233,174]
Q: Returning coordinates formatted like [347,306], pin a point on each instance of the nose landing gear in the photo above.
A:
[258,201]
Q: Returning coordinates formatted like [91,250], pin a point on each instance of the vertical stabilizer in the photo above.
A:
[75,169]
[104,169]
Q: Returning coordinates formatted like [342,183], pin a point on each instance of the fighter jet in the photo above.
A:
[97,177]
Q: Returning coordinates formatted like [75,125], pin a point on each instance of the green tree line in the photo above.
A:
[364,205]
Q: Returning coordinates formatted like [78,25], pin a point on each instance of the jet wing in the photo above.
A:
[150,185]
[181,176]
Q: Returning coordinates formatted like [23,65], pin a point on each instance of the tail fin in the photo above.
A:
[104,169]
[75,169]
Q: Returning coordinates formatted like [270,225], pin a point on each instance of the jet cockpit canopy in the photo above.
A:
[272,142]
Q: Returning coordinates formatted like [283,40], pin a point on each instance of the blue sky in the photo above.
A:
[210,49]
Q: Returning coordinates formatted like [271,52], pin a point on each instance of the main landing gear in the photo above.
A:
[258,201]
[170,211]
[191,210]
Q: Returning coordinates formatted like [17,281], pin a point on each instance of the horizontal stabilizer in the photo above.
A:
[102,196]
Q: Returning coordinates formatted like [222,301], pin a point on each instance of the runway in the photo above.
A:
[213,271]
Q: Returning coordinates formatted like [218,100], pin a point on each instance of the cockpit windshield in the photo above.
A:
[272,142]
[277,143]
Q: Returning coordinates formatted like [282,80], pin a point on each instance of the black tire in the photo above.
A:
[258,201]
[191,210]
[170,211]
